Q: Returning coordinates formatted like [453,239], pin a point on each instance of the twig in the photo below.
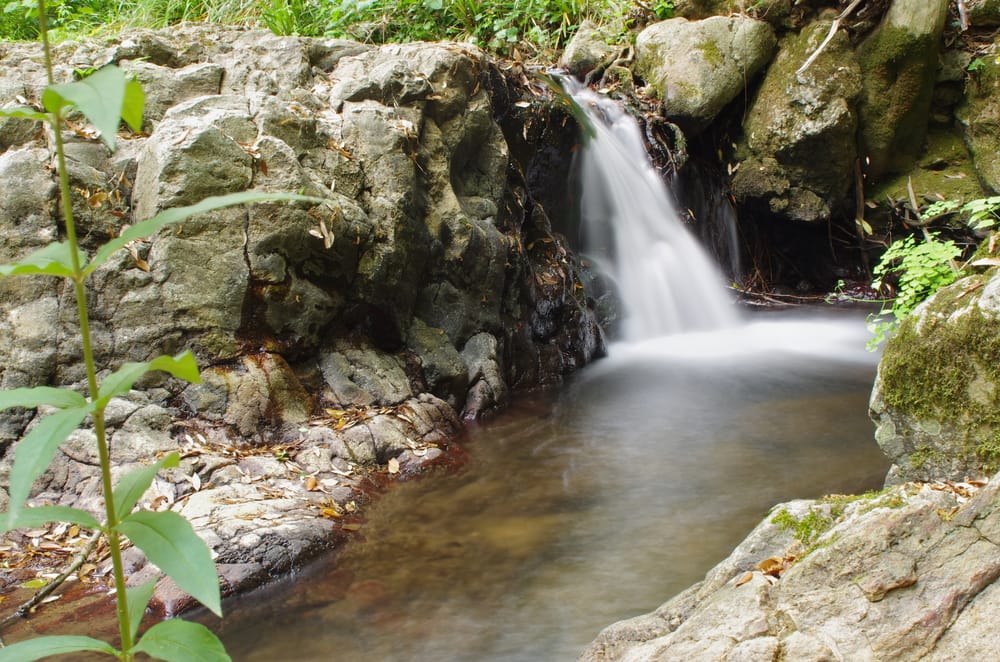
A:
[963,15]
[829,37]
[45,591]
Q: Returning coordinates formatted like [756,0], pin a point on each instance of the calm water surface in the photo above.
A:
[586,505]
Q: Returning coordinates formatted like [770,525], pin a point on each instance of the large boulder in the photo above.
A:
[979,118]
[427,281]
[697,67]
[797,155]
[899,63]
[908,574]
[936,399]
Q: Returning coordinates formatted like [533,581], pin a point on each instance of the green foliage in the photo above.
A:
[106,98]
[531,25]
[920,269]
[980,214]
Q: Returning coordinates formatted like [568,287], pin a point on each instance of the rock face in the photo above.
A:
[795,117]
[904,575]
[332,336]
[697,67]
[937,395]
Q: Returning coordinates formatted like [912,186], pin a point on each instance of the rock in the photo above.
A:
[795,117]
[587,50]
[983,13]
[899,63]
[697,67]
[937,392]
[884,577]
[775,12]
[979,118]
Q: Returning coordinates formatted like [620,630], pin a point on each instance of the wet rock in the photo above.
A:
[697,67]
[794,117]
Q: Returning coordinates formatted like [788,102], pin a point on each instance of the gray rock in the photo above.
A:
[697,67]
[889,577]
[589,49]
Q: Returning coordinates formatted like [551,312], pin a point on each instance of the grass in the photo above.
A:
[529,27]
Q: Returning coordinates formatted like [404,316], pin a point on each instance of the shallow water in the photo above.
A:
[586,505]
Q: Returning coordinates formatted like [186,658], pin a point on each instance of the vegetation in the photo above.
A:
[531,25]
[920,269]
[106,98]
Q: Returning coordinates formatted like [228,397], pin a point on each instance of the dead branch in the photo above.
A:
[829,37]
[45,591]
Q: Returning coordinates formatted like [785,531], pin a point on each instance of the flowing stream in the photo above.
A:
[597,501]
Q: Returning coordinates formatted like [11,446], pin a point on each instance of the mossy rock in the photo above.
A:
[936,399]
[979,117]
[798,151]
[944,171]
[899,64]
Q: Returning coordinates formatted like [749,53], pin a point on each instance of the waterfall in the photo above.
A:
[666,281]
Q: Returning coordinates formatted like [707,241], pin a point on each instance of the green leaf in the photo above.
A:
[182,641]
[177,214]
[32,517]
[41,647]
[52,260]
[134,484]
[41,395]
[138,599]
[26,113]
[99,97]
[169,541]
[183,366]
[133,105]
[34,454]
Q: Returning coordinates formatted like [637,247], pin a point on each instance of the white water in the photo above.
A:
[666,281]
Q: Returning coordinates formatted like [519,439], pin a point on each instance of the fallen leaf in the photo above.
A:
[747,576]
[311,484]
[351,526]
[393,465]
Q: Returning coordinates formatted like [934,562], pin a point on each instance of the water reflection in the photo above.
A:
[584,506]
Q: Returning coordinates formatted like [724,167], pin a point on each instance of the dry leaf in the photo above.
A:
[311,484]
[393,465]
[747,576]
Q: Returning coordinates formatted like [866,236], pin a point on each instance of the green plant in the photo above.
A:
[806,529]
[921,269]
[106,98]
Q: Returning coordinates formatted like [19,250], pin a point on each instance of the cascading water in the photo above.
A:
[665,279]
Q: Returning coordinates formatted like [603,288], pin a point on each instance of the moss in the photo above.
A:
[711,51]
[806,529]
[931,373]
[888,497]
[898,77]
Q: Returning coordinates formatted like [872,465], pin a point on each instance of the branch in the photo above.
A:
[829,37]
[45,591]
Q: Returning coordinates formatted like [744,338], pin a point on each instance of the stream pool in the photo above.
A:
[587,504]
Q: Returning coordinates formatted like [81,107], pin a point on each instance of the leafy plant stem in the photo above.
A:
[97,415]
